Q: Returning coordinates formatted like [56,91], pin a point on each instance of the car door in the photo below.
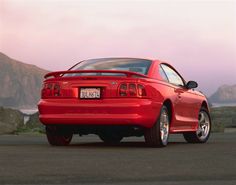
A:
[183,101]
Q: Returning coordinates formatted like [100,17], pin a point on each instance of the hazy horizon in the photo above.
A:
[196,37]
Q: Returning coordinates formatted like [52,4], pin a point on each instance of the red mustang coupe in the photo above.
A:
[120,97]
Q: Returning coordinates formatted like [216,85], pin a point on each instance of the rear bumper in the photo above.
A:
[128,111]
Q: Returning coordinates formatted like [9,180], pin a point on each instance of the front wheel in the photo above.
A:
[58,136]
[158,135]
[204,128]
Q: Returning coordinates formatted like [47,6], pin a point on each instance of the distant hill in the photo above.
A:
[224,94]
[20,83]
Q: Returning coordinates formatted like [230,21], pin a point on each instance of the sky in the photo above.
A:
[197,37]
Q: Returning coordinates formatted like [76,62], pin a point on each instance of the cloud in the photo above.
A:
[198,37]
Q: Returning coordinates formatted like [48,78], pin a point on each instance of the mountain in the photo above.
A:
[20,83]
[224,94]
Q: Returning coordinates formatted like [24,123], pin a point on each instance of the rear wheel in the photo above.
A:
[204,127]
[58,136]
[158,135]
[109,138]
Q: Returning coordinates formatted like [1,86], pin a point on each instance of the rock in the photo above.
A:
[33,125]
[10,120]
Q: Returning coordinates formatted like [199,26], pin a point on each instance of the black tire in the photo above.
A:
[153,135]
[58,136]
[110,138]
[194,137]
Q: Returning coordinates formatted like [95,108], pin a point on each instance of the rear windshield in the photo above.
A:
[135,65]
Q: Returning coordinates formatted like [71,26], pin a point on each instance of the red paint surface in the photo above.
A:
[112,109]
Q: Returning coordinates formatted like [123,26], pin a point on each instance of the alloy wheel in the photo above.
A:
[164,127]
[203,125]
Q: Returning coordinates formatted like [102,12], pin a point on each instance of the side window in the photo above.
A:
[172,76]
[162,74]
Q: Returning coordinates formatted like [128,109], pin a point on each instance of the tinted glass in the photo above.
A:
[162,74]
[172,76]
[135,65]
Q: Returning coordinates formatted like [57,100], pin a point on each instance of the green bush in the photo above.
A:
[223,117]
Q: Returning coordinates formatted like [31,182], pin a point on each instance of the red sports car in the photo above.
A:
[120,97]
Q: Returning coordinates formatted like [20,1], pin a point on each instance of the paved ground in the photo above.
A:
[30,160]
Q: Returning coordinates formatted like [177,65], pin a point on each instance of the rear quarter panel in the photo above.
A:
[184,117]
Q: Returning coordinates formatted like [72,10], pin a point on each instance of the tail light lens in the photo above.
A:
[47,90]
[123,90]
[132,90]
[56,90]
[51,90]
[141,90]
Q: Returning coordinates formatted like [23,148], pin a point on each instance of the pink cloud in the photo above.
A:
[193,36]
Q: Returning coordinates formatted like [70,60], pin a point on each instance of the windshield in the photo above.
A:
[135,65]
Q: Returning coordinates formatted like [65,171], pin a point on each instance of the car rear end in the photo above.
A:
[105,95]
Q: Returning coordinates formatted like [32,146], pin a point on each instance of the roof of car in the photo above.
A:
[110,58]
[118,58]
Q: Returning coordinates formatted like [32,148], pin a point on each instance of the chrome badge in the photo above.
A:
[113,83]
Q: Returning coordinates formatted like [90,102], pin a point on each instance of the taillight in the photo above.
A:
[141,90]
[123,90]
[51,90]
[132,90]
[56,89]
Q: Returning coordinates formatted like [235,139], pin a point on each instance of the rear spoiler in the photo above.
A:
[61,73]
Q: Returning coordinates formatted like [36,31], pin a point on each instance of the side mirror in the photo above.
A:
[191,85]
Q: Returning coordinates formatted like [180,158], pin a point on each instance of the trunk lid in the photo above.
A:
[74,86]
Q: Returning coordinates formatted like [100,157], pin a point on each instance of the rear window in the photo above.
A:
[135,65]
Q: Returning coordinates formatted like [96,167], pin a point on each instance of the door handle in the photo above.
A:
[179,92]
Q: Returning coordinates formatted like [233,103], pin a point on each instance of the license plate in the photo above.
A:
[90,93]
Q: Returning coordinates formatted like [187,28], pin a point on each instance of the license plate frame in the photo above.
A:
[87,93]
